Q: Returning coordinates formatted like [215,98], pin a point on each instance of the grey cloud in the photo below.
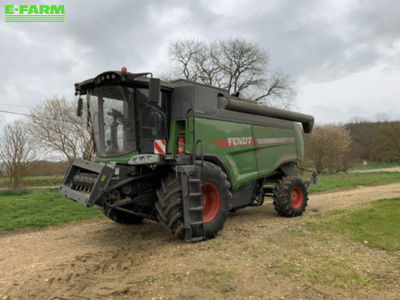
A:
[304,42]
[305,38]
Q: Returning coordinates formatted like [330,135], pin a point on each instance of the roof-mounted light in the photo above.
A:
[124,70]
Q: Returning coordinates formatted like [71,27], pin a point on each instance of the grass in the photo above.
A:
[329,182]
[347,249]
[329,272]
[222,281]
[375,165]
[377,225]
[37,181]
[26,209]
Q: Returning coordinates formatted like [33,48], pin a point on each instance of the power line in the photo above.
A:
[15,113]
[30,116]
[9,104]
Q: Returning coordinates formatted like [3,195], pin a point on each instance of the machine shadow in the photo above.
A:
[151,232]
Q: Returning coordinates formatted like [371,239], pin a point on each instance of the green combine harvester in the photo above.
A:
[184,154]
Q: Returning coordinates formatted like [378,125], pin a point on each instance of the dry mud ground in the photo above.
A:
[252,258]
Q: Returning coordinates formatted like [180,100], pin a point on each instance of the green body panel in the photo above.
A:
[248,152]
[119,160]
[239,160]
[299,134]
[173,137]
[274,146]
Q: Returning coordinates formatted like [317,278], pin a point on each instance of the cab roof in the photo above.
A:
[118,77]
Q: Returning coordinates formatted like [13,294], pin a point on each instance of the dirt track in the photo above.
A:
[394,169]
[96,259]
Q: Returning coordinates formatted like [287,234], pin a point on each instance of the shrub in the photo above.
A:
[329,148]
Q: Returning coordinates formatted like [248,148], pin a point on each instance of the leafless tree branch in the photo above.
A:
[235,65]
[16,153]
[55,125]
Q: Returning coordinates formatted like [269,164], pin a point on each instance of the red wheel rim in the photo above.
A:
[296,197]
[211,202]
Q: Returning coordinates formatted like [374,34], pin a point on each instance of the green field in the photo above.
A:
[376,225]
[375,165]
[346,249]
[30,181]
[48,207]
[330,182]
[27,209]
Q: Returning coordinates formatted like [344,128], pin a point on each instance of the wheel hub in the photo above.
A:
[111,198]
[211,202]
[296,197]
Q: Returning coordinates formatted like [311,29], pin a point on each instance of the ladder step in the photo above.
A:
[192,205]
[197,239]
[194,194]
[196,208]
[196,223]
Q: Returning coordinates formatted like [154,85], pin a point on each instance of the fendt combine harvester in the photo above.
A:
[184,154]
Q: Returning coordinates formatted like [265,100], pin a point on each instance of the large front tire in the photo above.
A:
[216,202]
[216,199]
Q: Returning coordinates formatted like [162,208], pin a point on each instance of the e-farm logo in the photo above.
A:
[34,13]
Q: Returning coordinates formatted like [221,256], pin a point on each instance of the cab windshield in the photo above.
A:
[123,121]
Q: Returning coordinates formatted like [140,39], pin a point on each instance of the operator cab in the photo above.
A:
[126,111]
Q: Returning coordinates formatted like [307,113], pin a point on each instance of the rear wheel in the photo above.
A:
[121,216]
[216,199]
[290,197]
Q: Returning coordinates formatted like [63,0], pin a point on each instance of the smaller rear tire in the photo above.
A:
[290,197]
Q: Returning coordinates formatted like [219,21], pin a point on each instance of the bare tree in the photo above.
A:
[329,148]
[184,52]
[382,117]
[55,125]
[236,65]
[16,153]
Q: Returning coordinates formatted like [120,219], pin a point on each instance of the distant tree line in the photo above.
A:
[48,168]
[337,148]
[379,141]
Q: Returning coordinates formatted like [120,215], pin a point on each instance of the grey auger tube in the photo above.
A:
[246,106]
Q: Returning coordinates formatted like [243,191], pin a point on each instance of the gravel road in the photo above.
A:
[95,259]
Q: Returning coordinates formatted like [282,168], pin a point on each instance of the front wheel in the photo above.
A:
[216,200]
[290,197]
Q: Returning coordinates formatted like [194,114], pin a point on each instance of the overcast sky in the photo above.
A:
[344,54]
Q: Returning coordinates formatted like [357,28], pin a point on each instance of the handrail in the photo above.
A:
[190,111]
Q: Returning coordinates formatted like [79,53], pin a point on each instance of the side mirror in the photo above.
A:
[80,105]
[154,90]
